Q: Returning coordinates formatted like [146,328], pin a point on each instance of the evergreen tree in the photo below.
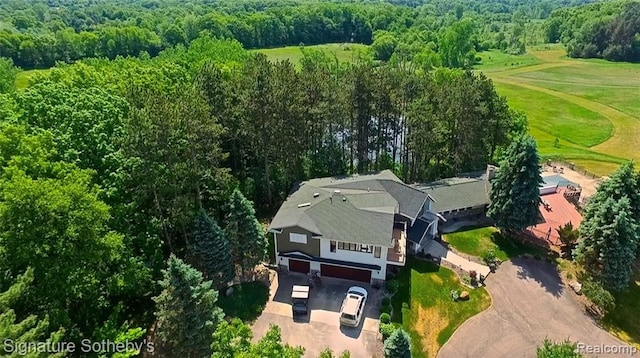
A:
[30,329]
[245,234]
[515,192]
[623,182]
[186,311]
[210,251]
[609,242]
[398,345]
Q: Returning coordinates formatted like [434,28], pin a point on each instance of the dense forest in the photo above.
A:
[609,30]
[36,34]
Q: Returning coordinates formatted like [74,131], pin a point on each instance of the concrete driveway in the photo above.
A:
[321,328]
[529,304]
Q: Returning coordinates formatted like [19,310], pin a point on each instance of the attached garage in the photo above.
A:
[299,266]
[345,273]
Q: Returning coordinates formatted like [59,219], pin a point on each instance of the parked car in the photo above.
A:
[300,300]
[353,306]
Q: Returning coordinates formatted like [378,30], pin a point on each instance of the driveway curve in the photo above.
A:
[529,304]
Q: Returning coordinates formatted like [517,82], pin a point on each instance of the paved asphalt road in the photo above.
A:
[529,304]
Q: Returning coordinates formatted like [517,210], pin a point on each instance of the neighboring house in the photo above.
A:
[463,198]
[352,227]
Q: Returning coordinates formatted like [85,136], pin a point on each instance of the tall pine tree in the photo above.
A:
[186,311]
[244,232]
[210,251]
[398,345]
[609,242]
[515,192]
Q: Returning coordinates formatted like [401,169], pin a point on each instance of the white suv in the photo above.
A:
[353,306]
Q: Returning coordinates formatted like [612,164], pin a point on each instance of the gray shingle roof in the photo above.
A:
[457,193]
[361,211]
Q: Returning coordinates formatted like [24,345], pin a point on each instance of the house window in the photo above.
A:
[366,248]
[299,238]
[341,246]
[350,247]
[332,246]
[376,252]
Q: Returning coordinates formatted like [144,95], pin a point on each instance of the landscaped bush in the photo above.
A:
[466,279]
[385,318]
[385,309]
[602,300]
[386,329]
[489,257]
[392,286]
[386,301]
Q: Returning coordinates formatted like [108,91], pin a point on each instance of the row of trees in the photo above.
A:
[606,30]
[37,35]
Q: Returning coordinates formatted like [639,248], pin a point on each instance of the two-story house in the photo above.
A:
[351,227]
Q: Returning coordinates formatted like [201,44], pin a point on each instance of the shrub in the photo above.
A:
[392,286]
[398,345]
[386,301]
[386,329]
[569,276]
[385,309]
[385,318]
[489,257]
[601,299]
[466,279]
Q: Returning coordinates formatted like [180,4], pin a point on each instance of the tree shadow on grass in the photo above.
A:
[541,272]
[247,301]
[402,298]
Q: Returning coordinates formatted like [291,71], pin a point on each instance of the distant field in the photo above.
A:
[343,52]
[590,106]
[22,79]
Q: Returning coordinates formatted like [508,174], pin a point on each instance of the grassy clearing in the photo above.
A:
[342,52]
[22,79]
[476,241]
[622,98]
[559,118]
[495,61]
[623,321]
[423,305]
[247,301]
[572,100]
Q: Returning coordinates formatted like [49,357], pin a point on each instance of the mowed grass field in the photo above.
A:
[22,78]
[582,111]
[343,52]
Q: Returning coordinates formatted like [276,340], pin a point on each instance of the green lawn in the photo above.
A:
[247,301]
[22,79]
[423,305]
[623,321]
[343,52]
[476,241]
[495,61]
[590,106]
[559,118]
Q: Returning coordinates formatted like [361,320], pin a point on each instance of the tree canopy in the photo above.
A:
[515,191]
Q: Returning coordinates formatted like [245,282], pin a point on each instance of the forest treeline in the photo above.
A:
[36,34]
[609,30]
[105,166]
